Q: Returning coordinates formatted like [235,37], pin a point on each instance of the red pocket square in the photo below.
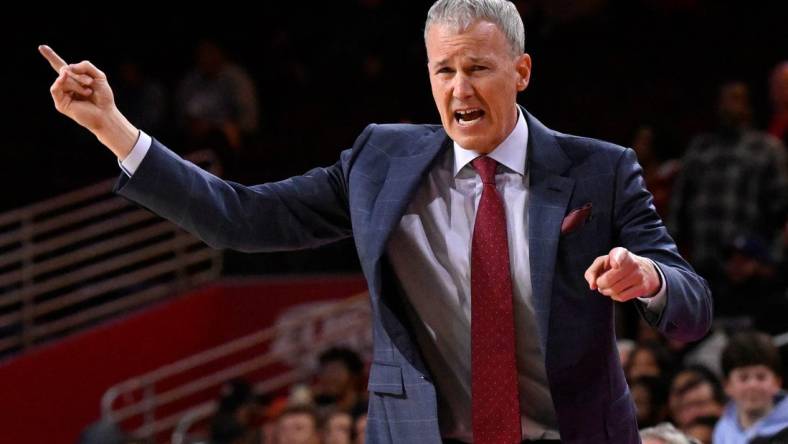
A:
[575,219]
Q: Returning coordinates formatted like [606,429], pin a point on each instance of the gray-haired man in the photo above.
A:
[493,247]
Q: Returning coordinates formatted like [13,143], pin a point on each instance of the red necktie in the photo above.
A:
[494,392]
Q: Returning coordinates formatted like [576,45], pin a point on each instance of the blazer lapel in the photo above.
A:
[549,194]
[405,173]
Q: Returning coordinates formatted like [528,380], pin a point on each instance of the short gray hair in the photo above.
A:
[667,434]
[463,13]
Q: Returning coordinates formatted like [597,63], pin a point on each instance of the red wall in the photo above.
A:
[50,394]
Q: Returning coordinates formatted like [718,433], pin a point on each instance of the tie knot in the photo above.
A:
[485,166]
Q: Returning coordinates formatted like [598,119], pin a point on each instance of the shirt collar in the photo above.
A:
[511,153]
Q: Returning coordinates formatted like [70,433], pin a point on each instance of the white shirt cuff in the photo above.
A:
[656,303]
[130,164]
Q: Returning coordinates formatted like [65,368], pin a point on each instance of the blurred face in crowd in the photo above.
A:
[642,362]
[475,78]
[734,104]
[695,403]
[338,429]
[297,428]
[674,395]
[642,398]
[334,380]
[753,389]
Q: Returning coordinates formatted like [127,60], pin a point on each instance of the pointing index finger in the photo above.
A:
[54,60]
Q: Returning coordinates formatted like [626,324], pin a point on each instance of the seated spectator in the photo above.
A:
[695,392]
[651,397]
[658,174]
[297,425]
[339,380]
[238,415]
[752,288]
[665,433]
[649,359]
[338,428]
[758,408]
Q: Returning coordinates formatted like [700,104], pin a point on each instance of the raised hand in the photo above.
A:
[82,93]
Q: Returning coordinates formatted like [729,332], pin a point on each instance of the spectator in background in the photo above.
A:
[216,102]
[659,176]
[758,407]
[237,418]
[695,392]
[665,433]
[338,428]
[778,89]
[339,380]
[753,289]
[733,181]
[649,359]
[651,400]
[298,425]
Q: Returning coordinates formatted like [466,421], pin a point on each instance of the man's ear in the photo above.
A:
[523,67]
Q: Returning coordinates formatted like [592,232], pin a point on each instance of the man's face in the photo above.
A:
[475,80]
[338,429]
[643,363]
[297,428]
[697,402]
[753,388]
[334,379]
[734,104]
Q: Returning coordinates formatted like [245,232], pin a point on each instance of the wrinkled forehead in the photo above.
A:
[481,39]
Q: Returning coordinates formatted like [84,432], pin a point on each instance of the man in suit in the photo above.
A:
[493,247]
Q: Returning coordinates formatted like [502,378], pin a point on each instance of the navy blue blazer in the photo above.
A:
[364,196]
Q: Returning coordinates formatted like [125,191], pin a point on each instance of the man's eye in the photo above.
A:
[478,68]
[445,70]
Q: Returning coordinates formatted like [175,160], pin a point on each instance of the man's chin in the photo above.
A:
[476,143]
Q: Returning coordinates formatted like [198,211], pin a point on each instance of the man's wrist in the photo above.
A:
[118,134]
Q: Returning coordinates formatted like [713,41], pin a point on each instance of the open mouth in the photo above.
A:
[468,117]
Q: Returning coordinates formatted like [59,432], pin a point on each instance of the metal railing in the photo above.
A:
[171,399]
[76,259]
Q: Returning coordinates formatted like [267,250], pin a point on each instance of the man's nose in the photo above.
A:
[463,88]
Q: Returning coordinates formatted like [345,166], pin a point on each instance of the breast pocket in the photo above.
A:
[386,379]
[583,244]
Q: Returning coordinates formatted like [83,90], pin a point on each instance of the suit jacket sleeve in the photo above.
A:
[688,309]
[300,212]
